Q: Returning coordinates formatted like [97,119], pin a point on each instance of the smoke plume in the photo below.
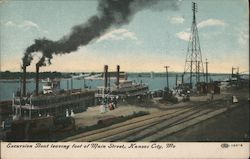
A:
[111,13]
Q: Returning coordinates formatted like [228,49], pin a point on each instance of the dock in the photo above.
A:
[159,125]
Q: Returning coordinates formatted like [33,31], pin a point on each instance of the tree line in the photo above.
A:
[16,75]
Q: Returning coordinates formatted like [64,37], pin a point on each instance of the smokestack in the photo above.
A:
[71,83]
[105,76]
[182,79]
[37,80]
[118,75]
[67,84]
[232,72]
[24,81]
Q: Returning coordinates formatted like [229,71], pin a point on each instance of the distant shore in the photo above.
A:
[15,76]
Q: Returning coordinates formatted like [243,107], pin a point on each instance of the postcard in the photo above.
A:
[124,79]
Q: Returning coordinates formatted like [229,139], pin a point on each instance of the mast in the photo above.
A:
[193,62]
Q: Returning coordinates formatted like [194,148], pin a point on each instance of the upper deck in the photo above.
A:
[55,99]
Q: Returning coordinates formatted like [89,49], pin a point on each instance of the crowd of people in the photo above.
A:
[108,104]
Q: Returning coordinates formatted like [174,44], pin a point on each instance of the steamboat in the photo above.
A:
[121,89]
[37,114]
[52,101]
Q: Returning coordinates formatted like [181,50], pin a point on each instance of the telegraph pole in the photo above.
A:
[176,80]
[182,79]
[167,75]
[206,71]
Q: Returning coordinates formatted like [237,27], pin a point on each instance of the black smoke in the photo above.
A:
[111,13]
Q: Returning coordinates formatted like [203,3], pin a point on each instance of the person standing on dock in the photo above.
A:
[212,94]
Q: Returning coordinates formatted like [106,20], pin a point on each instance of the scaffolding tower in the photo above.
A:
[193,69]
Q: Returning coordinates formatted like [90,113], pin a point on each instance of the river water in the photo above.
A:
[7,88]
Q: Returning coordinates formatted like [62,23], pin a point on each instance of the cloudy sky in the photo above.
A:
[150,41]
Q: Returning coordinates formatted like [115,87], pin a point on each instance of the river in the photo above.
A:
[7,88]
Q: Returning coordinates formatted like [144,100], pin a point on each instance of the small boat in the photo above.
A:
[95,76]
[81,76]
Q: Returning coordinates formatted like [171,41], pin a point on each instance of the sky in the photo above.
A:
[152,39]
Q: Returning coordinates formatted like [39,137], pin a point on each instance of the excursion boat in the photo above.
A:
[41,114]
[52,101]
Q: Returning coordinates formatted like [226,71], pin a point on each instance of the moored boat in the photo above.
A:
[121,89]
